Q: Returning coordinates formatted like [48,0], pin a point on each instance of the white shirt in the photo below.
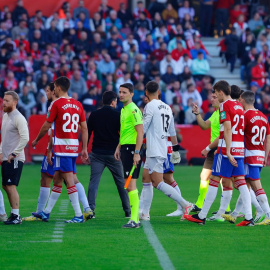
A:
[158,125]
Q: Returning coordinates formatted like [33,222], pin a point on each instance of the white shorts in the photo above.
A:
[154,164]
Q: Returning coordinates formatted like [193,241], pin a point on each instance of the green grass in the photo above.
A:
[101,243]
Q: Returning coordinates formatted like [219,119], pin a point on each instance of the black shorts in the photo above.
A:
[11,172]
[208,163]
[127,153]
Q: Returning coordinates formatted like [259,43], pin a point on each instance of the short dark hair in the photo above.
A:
[235,91]
[51,86]
[128,86]
[248,97]
[152,87]
[222,86]
[108,97]
[63,82]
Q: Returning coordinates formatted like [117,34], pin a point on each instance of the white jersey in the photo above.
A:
[158,125]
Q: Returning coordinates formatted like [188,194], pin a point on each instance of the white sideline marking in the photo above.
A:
[161,253]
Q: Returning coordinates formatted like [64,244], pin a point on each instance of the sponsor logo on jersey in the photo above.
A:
[223,115]
[260,159]
[72,148]
[237,150]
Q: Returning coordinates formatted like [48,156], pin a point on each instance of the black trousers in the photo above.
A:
[98,164]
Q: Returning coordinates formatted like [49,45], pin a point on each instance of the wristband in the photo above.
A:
[196,113]
[13,155]
[176,147]
[208,148]
[137,152]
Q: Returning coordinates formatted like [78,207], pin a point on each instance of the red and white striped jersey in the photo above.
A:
[67,114]
[256,130]
[232,110]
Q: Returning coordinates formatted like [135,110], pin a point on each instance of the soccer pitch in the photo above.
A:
[101,243]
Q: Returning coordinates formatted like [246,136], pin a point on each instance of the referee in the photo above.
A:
[105,124]
[15,136]
[128,150]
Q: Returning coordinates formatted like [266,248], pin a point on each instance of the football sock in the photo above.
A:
[209,198]
[44,195]
[74,199]
[141,199]
[172,193]
[82,197]
[134,205]
[56,191]
[176,187]
[15,211]
[245,195]
[225,200]
[238,207]
[202,193]
[255,203]
[262,198]
[147,198]
[2,205]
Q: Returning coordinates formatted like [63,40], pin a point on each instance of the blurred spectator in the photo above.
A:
[43,69]
[81,9]
[178,112]
[152,67]
[114,46]
[93,81]
[112,20]
[167,61]
[4,32]
[160,53]
[262,40]
[124,15]
[172,92]
[169,77]
[186,9]
[183,62]
[161,32]
[84,20]
[206,12]
[240,25]
[90,99]
[9,84]
[256,23]
[222,15]
[129,41]
[18,12]
[138,94]
[190,117]
[179,51]
[97,23]
[142,21]
[32,86]
[206,91]
[258,73]
[157,20]
[234,13]
[231,42]
[43,82]
[8,20]
[77,84]
[19,29]
[199,66]
[104,9]
[169,12]
[197,48]
[147,46]
[53,35]
[173,42]
[42,105]
[140,9]
[27,101]
[122,80]
[106,65]
[254,87]
[193,93]
[266,106]
[82,43]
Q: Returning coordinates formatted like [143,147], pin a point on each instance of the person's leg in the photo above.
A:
[146,195]
[44,193]
[97,168]
[205,175]
[13,197]
[2,205]
[116,170]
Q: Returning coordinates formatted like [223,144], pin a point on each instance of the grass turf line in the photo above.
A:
[101,243]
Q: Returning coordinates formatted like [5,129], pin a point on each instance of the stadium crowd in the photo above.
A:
[102,50]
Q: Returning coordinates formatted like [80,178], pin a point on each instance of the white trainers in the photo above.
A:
[145,217]
[176,213]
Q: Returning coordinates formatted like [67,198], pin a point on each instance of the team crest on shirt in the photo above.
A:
[223,115]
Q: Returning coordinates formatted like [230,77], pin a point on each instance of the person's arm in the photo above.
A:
[147,117]
[267,149]
[209,147]
[44,129]
[175,157]
[204,125]
[84,132]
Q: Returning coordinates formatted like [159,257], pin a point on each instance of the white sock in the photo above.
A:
[74,199]
[2,205]
[225,200]
[172,193]
[56,191]
[15,211]
[255,203]
[238,207]
[82,197]
[44,194]
[209,198]
[262,198]
[245,195]
[147,198]
[141,200]
[176,187]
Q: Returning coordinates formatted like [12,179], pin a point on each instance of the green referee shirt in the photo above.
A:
[131,116]
[215,127]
